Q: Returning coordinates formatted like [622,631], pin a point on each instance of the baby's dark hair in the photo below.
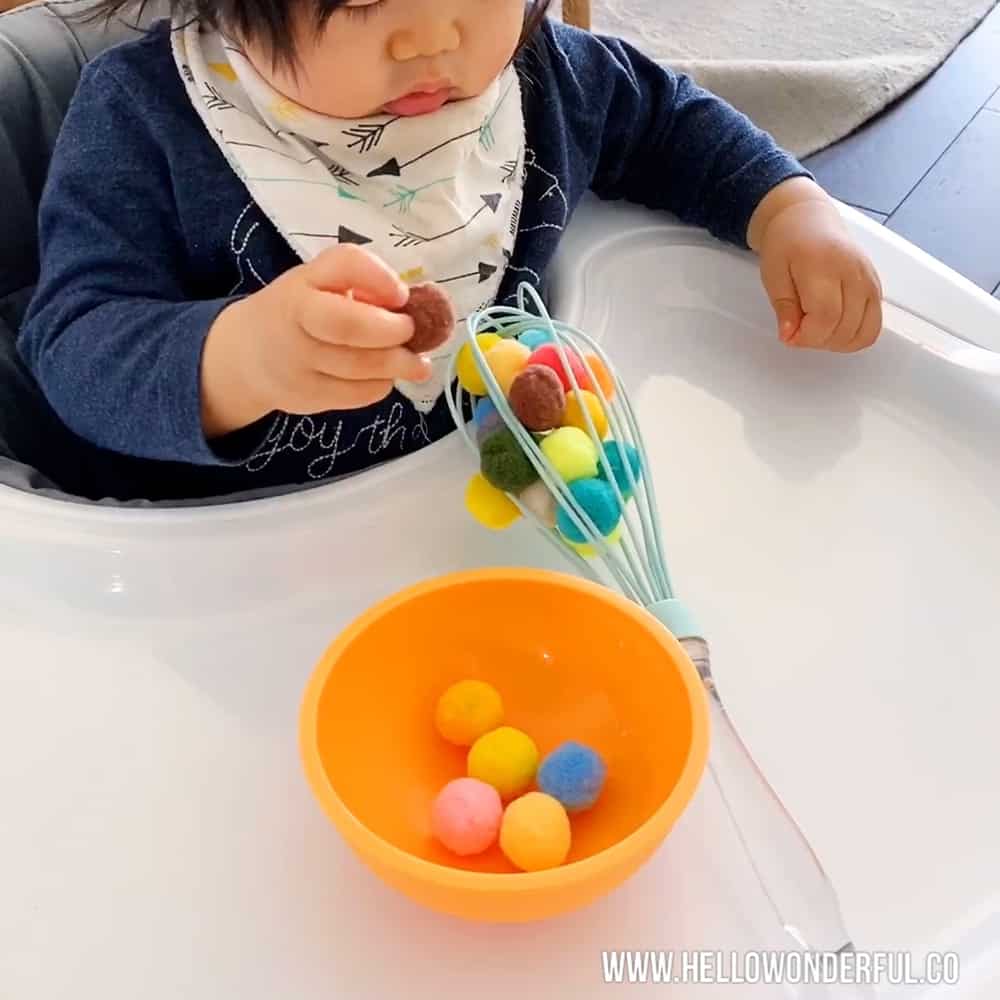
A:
[267,22]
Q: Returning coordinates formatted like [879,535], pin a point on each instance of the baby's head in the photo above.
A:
[357,58]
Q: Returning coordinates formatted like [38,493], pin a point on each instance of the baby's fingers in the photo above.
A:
[351,268]
[823,305]
[356,364]
[336,319]
[871,326]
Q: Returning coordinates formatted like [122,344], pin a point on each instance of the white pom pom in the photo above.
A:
[539,501]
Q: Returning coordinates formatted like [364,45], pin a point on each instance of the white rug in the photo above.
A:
[808,71]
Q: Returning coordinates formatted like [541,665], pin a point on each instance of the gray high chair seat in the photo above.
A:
[43,48]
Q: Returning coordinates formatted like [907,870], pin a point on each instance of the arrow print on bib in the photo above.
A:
[484,273]
[402,238]
[343,236]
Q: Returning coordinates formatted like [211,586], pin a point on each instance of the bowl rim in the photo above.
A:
[446,876]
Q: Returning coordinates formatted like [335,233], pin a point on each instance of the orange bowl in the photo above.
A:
[572,661]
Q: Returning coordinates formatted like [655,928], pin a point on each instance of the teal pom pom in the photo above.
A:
[598,499]
[504,464]
[533,339]
[616,457]
[574,774]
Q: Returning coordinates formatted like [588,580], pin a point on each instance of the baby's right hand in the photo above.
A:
[323,336]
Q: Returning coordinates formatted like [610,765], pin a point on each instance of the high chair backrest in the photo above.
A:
[43,48]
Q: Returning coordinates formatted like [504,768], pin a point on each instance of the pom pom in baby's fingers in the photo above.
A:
[433,317]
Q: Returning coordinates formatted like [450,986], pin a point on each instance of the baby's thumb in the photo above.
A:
[784,296]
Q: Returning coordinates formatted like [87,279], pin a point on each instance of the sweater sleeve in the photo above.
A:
[657,139]
[114,333]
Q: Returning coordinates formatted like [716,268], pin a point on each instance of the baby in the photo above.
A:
[239,200]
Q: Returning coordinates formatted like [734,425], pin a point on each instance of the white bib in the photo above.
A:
[437,197]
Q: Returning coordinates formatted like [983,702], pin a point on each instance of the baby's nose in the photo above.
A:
[432,37]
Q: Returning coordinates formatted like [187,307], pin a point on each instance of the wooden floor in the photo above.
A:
[929,167]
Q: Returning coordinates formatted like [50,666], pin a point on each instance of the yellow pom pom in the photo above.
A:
[589,551]
[507,360]
[466,368]
[468,710]
[506,758]
[575,417]
[535,833]
[491,507]
[572,453]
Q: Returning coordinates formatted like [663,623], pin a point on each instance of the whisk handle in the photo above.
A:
[790,875]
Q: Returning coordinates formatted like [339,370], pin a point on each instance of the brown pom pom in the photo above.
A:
[433,317]
[538,399]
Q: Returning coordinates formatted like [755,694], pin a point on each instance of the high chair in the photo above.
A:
[834,520]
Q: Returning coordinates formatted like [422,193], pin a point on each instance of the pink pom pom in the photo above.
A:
[466,816]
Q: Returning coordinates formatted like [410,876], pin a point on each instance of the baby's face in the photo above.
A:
[400,57]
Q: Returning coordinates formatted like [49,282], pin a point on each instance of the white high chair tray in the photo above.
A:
[834,522]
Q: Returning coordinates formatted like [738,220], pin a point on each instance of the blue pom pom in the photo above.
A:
[616,459]
[598,499]
[574,774]
[484,408]
[533,339]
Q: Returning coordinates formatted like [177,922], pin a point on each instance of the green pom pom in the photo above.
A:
[504,464]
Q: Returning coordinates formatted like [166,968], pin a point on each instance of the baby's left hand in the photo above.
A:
[824,289]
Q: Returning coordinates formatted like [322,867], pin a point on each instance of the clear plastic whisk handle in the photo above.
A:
[790,874]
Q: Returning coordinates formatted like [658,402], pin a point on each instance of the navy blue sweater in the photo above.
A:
[146,234]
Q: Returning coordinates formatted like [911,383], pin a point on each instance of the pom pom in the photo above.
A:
[504,464]
[575,416]
[535,833]
[598,500]
[492,423]
[589,550]
[506,758]
[548,355]
[538,399]
[507,360]
[468,710]
[466,816]
[574,774]
[615,457]
[571,453]
[433,317]
[485,408]
[491,507]
[600,372]
[466,368]
[538,500]
[533,339]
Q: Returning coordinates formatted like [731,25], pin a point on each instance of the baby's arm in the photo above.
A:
[655,138]
[114,334]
